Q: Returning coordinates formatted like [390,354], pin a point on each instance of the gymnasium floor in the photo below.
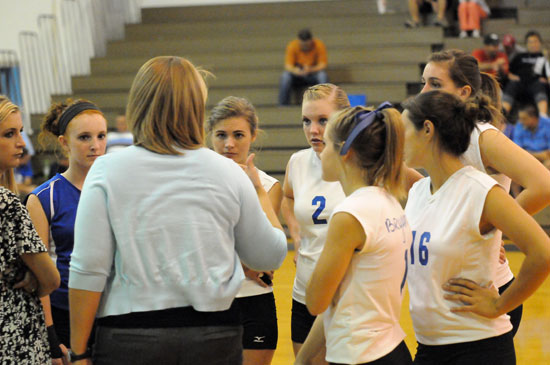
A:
[532,340]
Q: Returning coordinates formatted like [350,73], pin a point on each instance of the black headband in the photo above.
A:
[72,112]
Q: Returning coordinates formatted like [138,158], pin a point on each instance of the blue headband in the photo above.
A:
[365,119]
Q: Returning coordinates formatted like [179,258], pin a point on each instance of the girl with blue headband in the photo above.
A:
[356,287]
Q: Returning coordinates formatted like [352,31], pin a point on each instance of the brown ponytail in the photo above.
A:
[378,148]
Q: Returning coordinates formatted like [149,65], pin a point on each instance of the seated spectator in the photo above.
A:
[532,133]
[305,64]
[470,14]
[120,138]
[416,7]
[528,74]
[490,59]
[510,47]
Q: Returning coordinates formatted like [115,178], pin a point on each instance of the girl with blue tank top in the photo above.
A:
[80,128]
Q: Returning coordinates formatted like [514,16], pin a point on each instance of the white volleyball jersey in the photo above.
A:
[314,200]
[249,286]
[472,157]
[362,321]
[446,244]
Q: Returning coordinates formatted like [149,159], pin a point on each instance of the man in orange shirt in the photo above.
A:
[305,64]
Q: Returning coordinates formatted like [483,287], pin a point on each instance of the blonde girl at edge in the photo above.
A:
[23,336]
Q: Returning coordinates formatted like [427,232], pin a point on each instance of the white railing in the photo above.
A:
[63,45]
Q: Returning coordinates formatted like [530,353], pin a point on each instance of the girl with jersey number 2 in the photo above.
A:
[233,127]
[458,315]
[308,201]
[358,281]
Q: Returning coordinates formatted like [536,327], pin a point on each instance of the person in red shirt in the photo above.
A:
[490,59]
[305,64]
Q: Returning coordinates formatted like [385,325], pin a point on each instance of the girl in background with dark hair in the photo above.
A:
[233,127]
[490,151]
[458,315]
[80,129]
[357,283]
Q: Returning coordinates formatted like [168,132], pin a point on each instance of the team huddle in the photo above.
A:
[152,254]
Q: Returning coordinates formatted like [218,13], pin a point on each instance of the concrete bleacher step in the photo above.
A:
[360,39]
[245,12]
[320,27]
[282,137]
[263,77]
[270,117]
[273,161]
[258,60]
[534,16]
[376,92]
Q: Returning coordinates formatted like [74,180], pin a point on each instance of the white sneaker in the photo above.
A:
[463,34]
[475,33]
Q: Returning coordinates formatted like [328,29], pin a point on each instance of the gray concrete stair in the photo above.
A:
[261,77]
[286,10]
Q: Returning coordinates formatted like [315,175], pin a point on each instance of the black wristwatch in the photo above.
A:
[74,357]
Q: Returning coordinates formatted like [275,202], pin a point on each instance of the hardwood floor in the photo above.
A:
[532,340]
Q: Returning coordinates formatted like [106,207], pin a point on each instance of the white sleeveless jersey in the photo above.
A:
[314,200]
[362,322]
[249,286]
[447,244]
[472,157]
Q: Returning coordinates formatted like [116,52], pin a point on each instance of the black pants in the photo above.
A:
[399,356]
[495,350]
[516,314]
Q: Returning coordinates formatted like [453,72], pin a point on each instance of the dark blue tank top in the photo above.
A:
[63,196]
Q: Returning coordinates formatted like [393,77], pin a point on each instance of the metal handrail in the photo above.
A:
[64,44]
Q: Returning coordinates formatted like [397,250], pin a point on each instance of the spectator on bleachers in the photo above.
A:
[490,59]
[417,7]
[120,138]
[305,64]
[510,47]
[528,74]
[470,14]
[532,133]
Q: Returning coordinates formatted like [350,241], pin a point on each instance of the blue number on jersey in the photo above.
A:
[422,249]
[406,271]
[321,201]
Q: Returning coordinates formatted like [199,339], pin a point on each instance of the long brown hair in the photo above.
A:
[378,148]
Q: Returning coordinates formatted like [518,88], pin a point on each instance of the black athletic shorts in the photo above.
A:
[398,356]
[259,320]
[494,350]
[301,322]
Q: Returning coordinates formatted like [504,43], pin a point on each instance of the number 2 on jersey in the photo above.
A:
[319,201]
